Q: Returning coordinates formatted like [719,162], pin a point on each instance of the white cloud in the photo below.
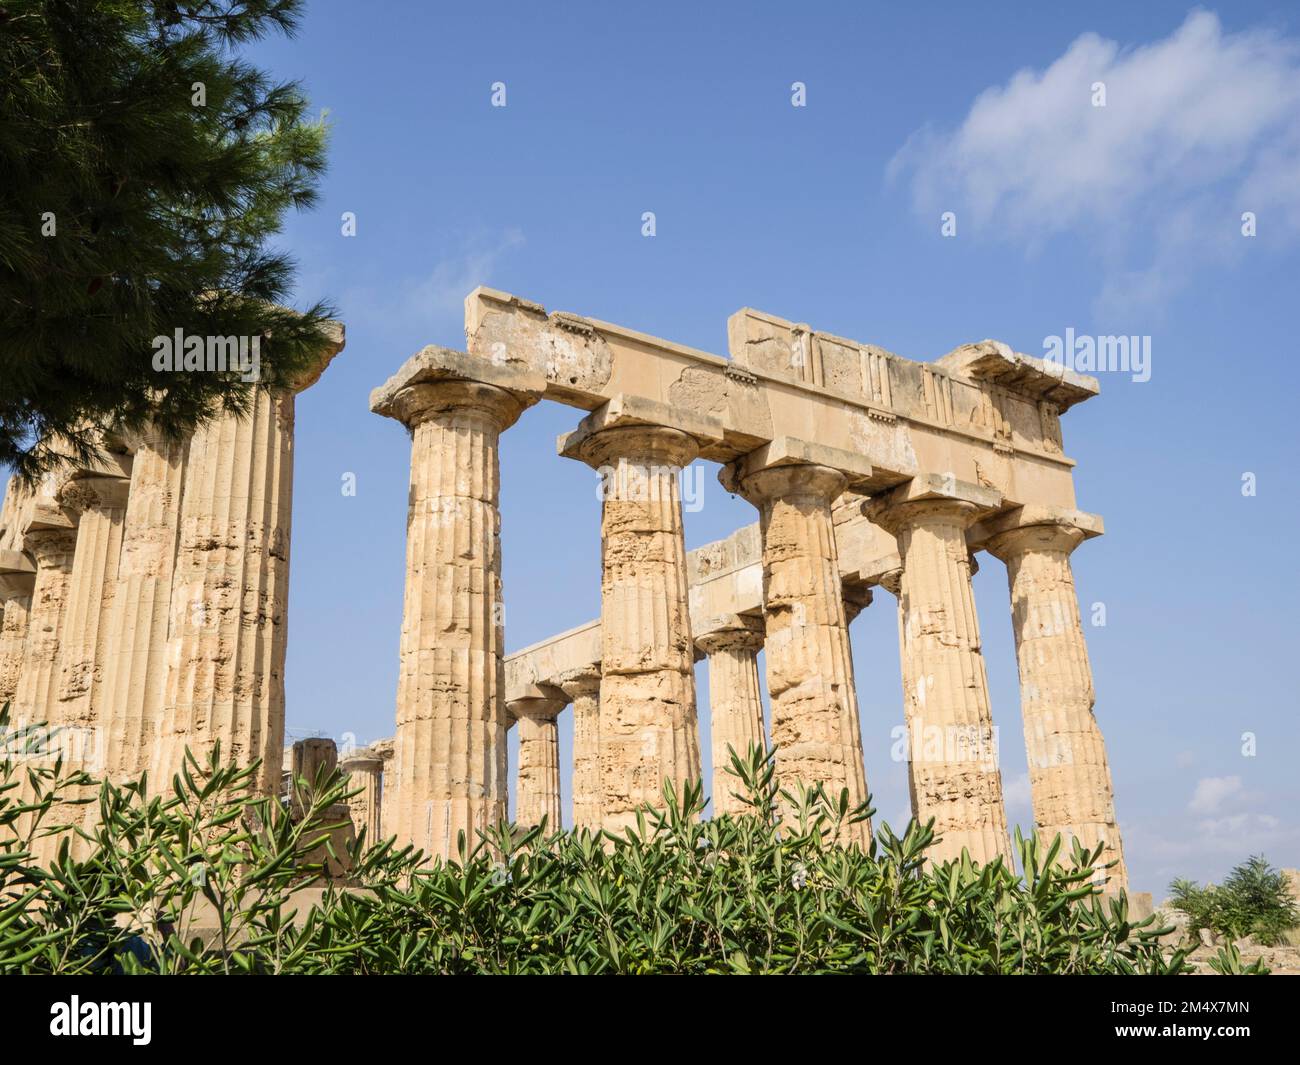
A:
[1212,792]
[435,299]
[1197,128]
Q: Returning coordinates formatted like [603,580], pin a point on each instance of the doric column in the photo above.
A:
[582,688]
[537,782]
[648,731]
[365,771]
[136,626]
[51,540]
[17,581]
[450,749]
[735,704]
[952,743]
[101,503]
[1069,775]
[816,731]
[230,586]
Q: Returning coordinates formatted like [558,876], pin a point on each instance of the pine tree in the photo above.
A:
[143,167]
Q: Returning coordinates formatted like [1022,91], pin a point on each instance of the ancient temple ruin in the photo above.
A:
[866,470]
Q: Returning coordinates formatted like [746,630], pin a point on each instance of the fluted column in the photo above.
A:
[1069,775]
[228,629]
[450,748]
[582,688]
[365,771]
[17,582]
[735,705]
[37,692]
[101,503]
[816,729]
[648,730]
[537,782]
[136,625]
[952,743]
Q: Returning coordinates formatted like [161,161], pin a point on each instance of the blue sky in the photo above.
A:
[1122,219]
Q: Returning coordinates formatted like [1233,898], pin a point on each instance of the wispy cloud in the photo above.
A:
[1212,792]
[1197,128]
[431,301]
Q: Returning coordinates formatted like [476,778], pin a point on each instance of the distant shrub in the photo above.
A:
[1254,899]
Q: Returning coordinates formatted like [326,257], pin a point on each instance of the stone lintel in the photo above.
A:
[432,364]
[937,486]
[1037,379]
[625,410]
[792,451]
[1088,525]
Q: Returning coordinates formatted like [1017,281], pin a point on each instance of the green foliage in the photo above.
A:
[756,893]
[1255,899]
[143,166]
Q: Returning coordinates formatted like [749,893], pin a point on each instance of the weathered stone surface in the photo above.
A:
[450,752]
[815,725]
[226,645]
[1069,775]
[582,687]
[732,644]
[136,621]
[648,731]
[365,772]
[953,765]
[537,782]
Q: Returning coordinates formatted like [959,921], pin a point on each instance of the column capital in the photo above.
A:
[731,632]
[17,575]
[575,683]
[311,372]
[857,597]
[930,497]
[436,379]
[103,492]
[892,581]
[789,466]
[363,758]
[535,708]
[47,544]
[639,430]
[1028,527]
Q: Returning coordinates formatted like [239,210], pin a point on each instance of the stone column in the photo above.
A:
[450,747]
[1069,776]
[816,730]
[648,731]
[952,743]
[582,688]
[51,543]
[365,770]
[229,590]
[101,503]
[17,582]
[735,704]
[136,626]
[537,783]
